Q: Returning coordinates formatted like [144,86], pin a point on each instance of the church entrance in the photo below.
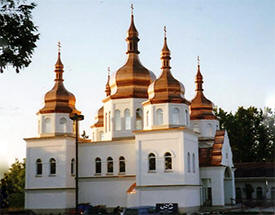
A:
[228,187]
[206,192]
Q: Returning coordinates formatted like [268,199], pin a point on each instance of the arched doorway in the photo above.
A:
[228,187]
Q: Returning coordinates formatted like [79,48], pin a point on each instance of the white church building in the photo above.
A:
[149,145]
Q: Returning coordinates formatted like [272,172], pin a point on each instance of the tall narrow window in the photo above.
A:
[38,167]
[127,119]
[122,166]
[63,123]
[176,116]
[72,166]
[188,162]
[193,162]
[139,119]
[159,120]
[47,125]
[117,120]
[98,165]
[105,123]
[109,121]
[101,135]
[186,117]
[147,118]
[168,161]
[110,165]
[259,193]
[52,166]
[152,162]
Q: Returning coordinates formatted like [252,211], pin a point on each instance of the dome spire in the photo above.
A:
[132,36]
[201,107]
[107,88]
[59,66]
[199,78]
[165,54]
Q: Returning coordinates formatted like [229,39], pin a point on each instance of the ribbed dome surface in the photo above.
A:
[132,79]
[201,107]
[58,99]
[166,89]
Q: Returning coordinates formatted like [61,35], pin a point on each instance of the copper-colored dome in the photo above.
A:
[58,99]
[166,89]
[201,107]
[99,118]
[132,79]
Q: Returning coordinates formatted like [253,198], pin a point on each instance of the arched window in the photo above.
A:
[193,163]
[238,194]
[152,162]
[259,193]
[117,120]
[122,166]
[98,165]
[63,125]
[110,165]
[176,116]
[109,121]
[186,117]
[139,119]
[105,123]
[47,125]
[273,193]
[147,118]
[52,166]
[127,118]
[210,130]
[38,167]
[168,161]
[72,166]
[159,120]
[188,162]
[101,135]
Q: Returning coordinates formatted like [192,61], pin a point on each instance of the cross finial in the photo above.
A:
[108,71]
[132,9]
[165,31]
[198,58]
[59,46]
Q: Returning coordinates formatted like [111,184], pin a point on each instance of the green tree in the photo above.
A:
[12,186]
[251,132]
[18,34]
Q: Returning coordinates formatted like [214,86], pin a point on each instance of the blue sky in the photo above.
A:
[234,39]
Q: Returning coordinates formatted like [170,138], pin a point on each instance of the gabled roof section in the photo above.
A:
[212,156]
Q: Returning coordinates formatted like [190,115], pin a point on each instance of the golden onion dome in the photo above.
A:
[58,99]
[166,89]
[99,118]
[132,79]
[201,107]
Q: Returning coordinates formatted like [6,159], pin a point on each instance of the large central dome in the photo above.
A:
[132,79]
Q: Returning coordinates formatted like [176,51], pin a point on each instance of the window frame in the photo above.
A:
[152,157]
[110,166]
[40,167]
[52,162]
[98,166]
[122,165]
[168,167]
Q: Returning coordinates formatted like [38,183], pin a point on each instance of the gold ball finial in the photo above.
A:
[132,9]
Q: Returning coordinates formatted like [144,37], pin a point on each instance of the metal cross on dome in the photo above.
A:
[132,9]
[198,58]
[165,31]
[59,46]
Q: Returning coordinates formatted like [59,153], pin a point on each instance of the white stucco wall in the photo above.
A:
[62,149]
[206,128]
[216,176]
[55,124]
[178,143]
